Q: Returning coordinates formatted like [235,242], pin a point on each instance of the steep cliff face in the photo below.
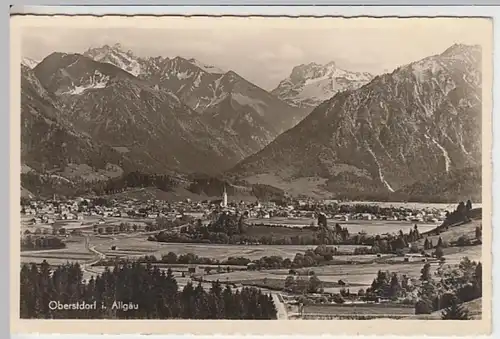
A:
[422,119]
[311,84]
[149,124]
[48,140]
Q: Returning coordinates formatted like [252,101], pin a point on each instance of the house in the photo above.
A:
[28,211]
[47,219]
[195,269]
[413,256]
[341,217]
[366,216]
[251,266]
[152,215]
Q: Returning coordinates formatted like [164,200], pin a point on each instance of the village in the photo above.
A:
[56,212]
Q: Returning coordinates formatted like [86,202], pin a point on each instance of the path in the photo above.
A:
[86,267]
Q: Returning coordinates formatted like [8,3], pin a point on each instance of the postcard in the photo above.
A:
[251,175]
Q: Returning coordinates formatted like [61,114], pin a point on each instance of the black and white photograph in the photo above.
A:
[254,169]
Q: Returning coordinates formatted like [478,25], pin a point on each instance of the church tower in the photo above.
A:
[224,198]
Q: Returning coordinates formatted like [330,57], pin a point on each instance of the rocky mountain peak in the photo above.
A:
[29,62]
[310,84]
[116,55]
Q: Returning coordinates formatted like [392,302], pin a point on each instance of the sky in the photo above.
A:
[264,50]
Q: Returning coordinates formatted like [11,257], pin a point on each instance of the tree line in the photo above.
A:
[47,185]
[31,243]
[133,180]
[321,255]
[151,292]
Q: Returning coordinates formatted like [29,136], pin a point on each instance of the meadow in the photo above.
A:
[358,310]
[370,227]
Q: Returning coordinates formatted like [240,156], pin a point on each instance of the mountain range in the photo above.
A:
[323,129]
[205,88]
[419,121]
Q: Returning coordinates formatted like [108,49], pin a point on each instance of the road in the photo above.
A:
[280,307]
[86,267]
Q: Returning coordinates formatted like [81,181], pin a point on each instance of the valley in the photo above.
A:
[336,195]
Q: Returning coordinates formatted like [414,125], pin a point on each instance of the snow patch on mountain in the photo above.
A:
[98,80]
[29,62]
[258,105]
[197,81]
[183,75]
[207,68]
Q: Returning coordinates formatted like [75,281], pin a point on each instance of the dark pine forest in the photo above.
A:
[155,293]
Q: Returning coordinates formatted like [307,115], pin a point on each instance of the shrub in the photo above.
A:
[423,307]
[463,241]
[337,298]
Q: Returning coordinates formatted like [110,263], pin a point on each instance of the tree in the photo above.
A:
[322,222]
[423,306]
[463,240]
[290,283]
[479,233]
[455,311]
[170,258]
[478,276]
[468,205]
[314,284]
[439,252]
[461,209]
[425,273]
[395,286]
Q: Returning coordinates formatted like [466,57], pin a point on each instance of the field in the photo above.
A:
[138,245]
[454,232]
[411,205]
[355,276]
[367,310]
[354,226]
[357,311]
[75,251]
